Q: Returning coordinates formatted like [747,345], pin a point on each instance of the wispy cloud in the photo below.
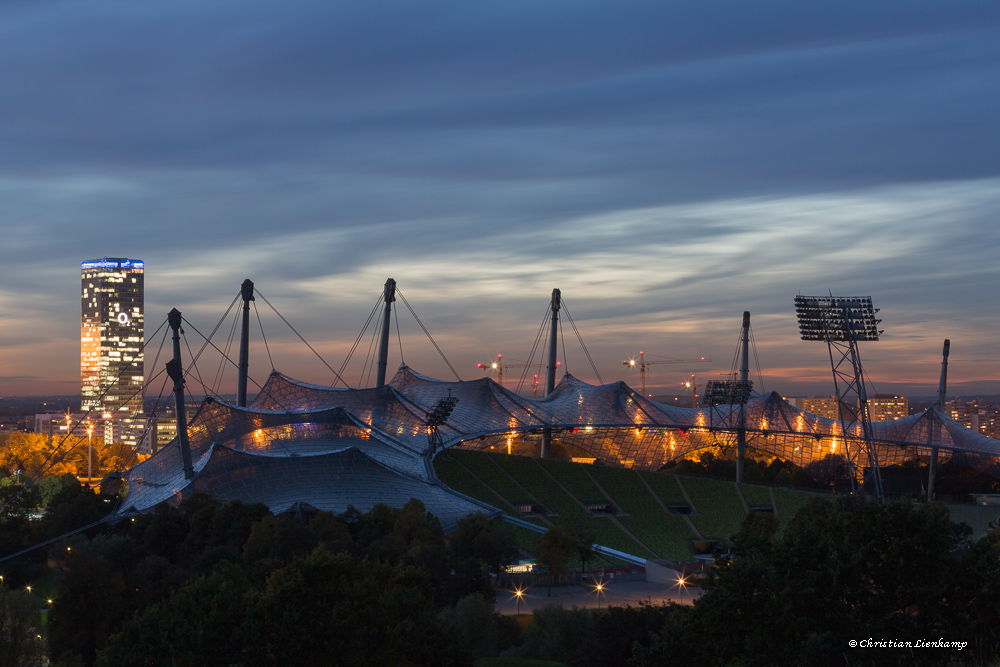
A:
[666,165]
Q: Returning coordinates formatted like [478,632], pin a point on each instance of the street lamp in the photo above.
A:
[599,589]
[90,433]
[682,584]
[518,593]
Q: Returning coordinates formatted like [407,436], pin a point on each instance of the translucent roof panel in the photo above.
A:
[387,426]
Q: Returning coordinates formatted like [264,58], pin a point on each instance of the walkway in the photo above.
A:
[617,594]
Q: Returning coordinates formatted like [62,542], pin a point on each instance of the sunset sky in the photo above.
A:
[666,165]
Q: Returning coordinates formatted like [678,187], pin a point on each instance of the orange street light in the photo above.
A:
[599,591]
[682,584]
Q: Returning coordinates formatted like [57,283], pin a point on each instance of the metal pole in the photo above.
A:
[942,392]
[176,372]
[550,377]
[383,348]
[246,291]
[741,432]
[866,426]
[642,374]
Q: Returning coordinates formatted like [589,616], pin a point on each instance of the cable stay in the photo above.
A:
[106,519]
[262,336]
[428,334]
[582,344]
[534,348]
[301,338]
[46,464]
[552,316]
[361,335]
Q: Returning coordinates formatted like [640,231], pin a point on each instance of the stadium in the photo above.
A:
[304,447]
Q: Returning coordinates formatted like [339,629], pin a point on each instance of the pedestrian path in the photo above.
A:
[612,593]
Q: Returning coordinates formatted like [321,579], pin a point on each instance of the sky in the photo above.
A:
[665,165]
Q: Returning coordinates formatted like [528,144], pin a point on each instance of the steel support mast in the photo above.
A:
[176,372]
[741,431]
[550,377]
[942,392]
[383,349]
[246,291]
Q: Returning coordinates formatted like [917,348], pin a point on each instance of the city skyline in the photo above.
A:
[665,167]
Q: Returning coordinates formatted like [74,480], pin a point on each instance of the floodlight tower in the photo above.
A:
[437,418]
[842,322]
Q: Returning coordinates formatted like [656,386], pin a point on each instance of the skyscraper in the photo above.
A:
[111,337]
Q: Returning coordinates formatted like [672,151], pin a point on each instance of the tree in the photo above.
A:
[21,643]
[555,548]
[849,569]
[584,547]
[471,627]
[90,601]
[488,541]
[194,627]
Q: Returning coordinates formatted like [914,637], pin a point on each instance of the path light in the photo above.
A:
[682,584]
[518,593]
[599,591]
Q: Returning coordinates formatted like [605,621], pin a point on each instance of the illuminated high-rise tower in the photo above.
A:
[111,337]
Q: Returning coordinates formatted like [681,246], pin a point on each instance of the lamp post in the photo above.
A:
[90,433]
[599,589]
[681,585]
[518,593]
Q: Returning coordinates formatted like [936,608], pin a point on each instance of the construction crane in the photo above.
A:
[642,363]
[693,386]
[499,367]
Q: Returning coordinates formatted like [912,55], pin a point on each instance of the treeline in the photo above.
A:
[211,584]
[25,455]
[67,506]
[843,570]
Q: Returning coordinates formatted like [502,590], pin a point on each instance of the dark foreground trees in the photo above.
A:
[854,570]
[211,584]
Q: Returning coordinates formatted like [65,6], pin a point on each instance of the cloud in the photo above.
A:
[667,165]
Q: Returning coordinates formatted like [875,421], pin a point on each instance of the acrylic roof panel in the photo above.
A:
[301,422]
[330,482]
[483,405]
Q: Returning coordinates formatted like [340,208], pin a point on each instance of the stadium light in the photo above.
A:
[727,392]
[837,318]
[842,322]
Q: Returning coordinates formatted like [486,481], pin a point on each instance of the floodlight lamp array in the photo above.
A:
[833,318]
[727,392]
[442,411]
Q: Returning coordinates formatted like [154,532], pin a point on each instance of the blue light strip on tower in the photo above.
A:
[109,263]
